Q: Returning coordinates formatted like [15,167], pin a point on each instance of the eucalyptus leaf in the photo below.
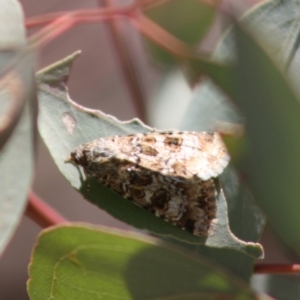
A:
[271,163]
[269,102]
[87,262]
[276,25]
[12,30]
[17,110]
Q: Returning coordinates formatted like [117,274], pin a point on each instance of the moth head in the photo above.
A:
[87,154]
[77,157]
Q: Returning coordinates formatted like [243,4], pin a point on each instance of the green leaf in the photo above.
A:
[271,164]
[270,106]
[278,23]
[220,73]
[209,110]
[275,22]
[64,125]
[16,163]
[17,102]
[12,30]
[87,262]
[188,20]
[12,36]
[282,286]
[173,95]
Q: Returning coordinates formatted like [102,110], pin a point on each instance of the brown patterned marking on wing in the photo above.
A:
[179,169]
[210,190]
[186,222]
[136,193]
[189,225]
[209,137]
[208,205]
[130,138]
[174,143]
[207,141]
[140,179]
[160,199]
[147,150]
[149,140]
[156,166]
[116,186]
[208,187]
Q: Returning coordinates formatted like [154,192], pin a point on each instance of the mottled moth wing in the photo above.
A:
[171,174]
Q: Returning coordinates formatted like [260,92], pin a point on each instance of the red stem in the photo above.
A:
[160,36]
[41,213]
[277,269]
[127,64]
[82,14]
[63,21]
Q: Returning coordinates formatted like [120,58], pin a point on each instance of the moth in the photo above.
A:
[171,174]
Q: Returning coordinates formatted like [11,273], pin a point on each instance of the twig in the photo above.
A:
[41,213]
[62,21]
[81,15]
[277,269]
[127,65]
[90,13]
[161,36]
